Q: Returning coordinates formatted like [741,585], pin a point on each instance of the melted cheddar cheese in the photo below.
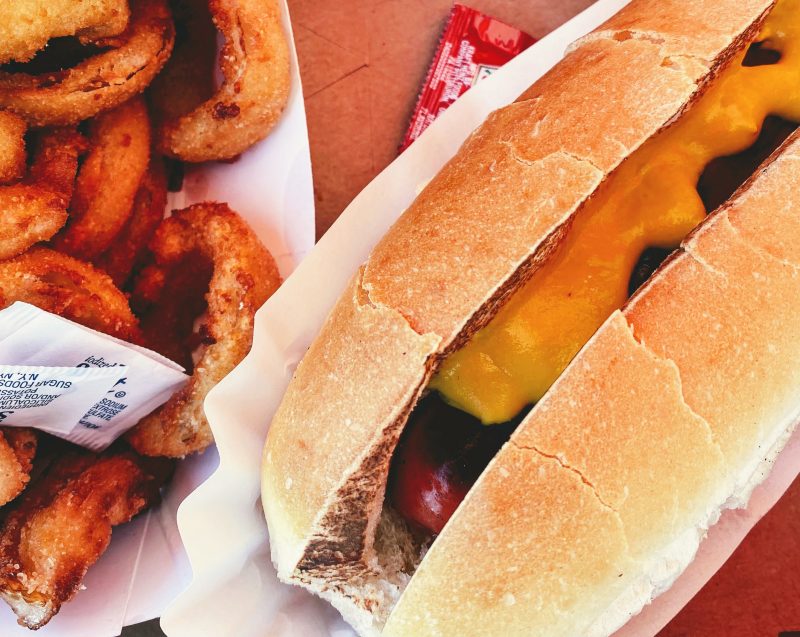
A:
[650,201]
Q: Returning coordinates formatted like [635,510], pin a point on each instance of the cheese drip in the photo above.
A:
[650,201]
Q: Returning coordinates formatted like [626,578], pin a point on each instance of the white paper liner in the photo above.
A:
[146,567]
[235,590]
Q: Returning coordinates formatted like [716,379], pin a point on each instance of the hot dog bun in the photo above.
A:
[438,276]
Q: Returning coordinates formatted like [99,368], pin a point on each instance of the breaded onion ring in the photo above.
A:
[70,288]
[255,65]
[27,25]
[244,277]
[129,248]
[17,449]
[119,151]
[101,82]
[36,208]
[62,524]
[12,147]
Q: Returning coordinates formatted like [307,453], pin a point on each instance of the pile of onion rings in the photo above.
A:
[62,524]
[85,234]
[197,123]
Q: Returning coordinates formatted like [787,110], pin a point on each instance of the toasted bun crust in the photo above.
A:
[533,164]
[662,420]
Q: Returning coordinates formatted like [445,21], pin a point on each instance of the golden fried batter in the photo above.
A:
[36,208]
[70,288]
[55,160]
[27,25]
[119,151]
[62,524]
[255,64]
[130,246]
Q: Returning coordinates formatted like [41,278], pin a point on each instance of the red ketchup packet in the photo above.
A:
[472,46]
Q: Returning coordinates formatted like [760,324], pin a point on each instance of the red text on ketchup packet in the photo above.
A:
[472,46]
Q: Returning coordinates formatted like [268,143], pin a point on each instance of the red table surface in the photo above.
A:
[362,63]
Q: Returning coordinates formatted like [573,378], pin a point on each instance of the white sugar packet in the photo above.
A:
[52,399]
[113,384]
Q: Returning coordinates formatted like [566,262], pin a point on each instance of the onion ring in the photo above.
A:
[36,208]
[27,25]
[12,147]
[244,277]
[255,65]
[129,248]
[70,288]
[107,181]
[62,524]
[101,82]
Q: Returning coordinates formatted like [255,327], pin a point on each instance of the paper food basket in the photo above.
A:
[235,590]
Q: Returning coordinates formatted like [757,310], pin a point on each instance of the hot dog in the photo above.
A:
[501,302]
[557,287]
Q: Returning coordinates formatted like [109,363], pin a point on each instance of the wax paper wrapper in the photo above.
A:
[235,590]
[145,567]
